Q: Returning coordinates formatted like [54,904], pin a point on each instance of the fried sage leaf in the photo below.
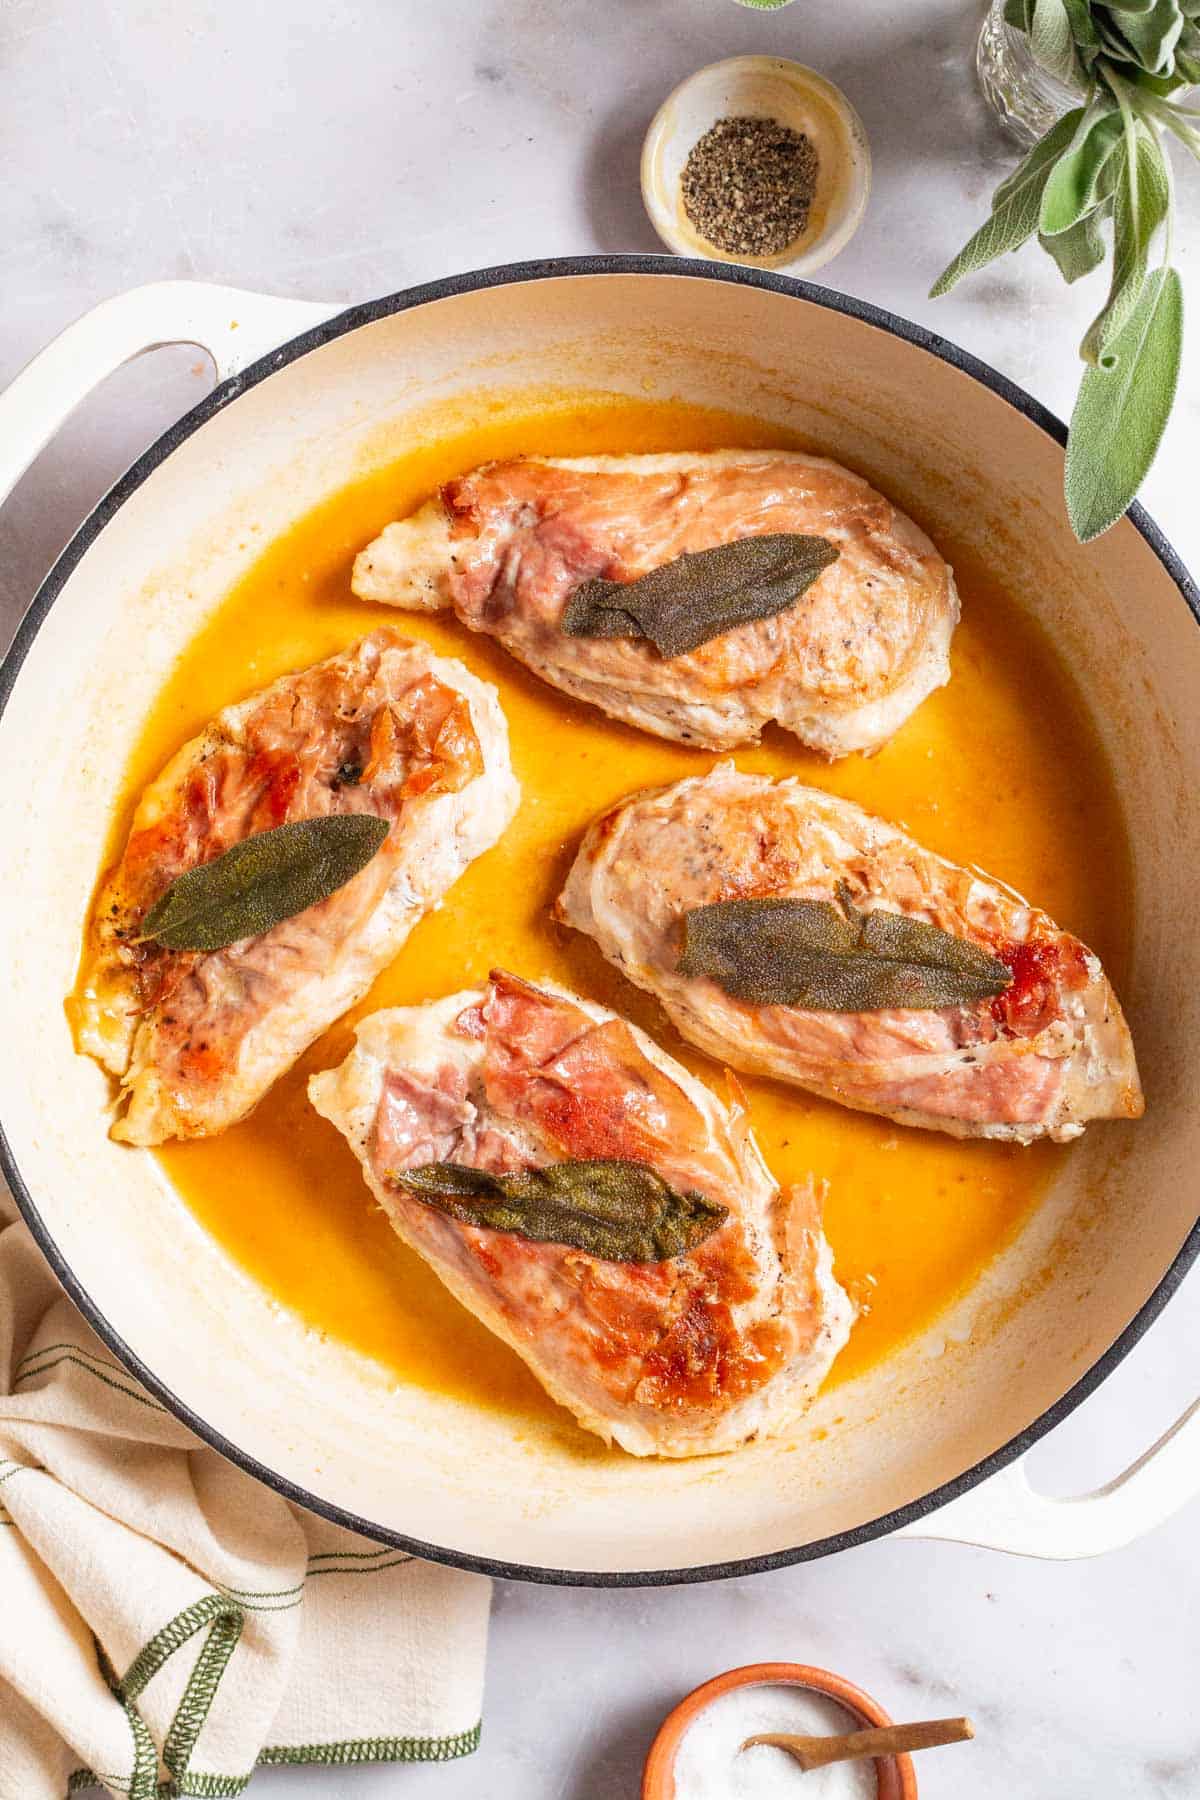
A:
[263,880]
[827,958]
[703,593]
[619,1211]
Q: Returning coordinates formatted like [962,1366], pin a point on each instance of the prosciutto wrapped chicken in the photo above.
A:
[791,934]
[639,1256]
[385,728]
[513,546]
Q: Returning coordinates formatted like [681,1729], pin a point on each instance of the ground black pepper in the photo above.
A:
[748,184]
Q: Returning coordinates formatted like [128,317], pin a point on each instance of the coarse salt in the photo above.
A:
[711,1765]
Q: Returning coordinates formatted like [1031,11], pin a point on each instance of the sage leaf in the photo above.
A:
[1122,409]
[1074,184]
[1083,28]
[701,594]
[616,1210]
[1079,250]
[1016,206]
[1106,161]
[1187,54]
[1151,32]
[1116,48]
[1052,40]
[1140,205]
[265,879]
[826,958]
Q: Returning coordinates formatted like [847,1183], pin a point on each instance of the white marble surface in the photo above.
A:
[347,148]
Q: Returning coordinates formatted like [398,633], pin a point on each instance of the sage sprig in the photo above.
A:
[703,593]
[1099,184]
[265,879]
[826,958]
[616,1210]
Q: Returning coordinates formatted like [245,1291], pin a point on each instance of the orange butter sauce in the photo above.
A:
[1000,769]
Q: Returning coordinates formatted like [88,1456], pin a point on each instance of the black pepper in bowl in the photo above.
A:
[748,184]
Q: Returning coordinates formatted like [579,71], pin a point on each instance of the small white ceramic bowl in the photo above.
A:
[764,87]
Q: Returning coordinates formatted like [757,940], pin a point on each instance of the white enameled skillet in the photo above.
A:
[930,1443]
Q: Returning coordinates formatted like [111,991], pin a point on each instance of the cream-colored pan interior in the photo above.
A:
[969,466]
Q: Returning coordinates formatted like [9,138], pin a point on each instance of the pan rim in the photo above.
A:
[139,472]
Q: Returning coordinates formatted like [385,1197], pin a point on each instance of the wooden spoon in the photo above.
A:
[884,1740]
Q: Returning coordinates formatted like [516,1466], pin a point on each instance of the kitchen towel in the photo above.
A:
[167,1624]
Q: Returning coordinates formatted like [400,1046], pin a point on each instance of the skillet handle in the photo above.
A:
[1005,1513]
[233,326]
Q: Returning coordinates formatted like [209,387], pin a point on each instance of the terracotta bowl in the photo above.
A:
[895,1775]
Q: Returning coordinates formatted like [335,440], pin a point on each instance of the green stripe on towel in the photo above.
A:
[350,1750]
[382,1749]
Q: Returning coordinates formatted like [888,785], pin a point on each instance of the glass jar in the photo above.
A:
[1024,97]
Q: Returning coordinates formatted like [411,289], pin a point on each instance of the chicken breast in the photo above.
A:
[507,545]
[1037,1060]
[674,1358]
[387,728]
